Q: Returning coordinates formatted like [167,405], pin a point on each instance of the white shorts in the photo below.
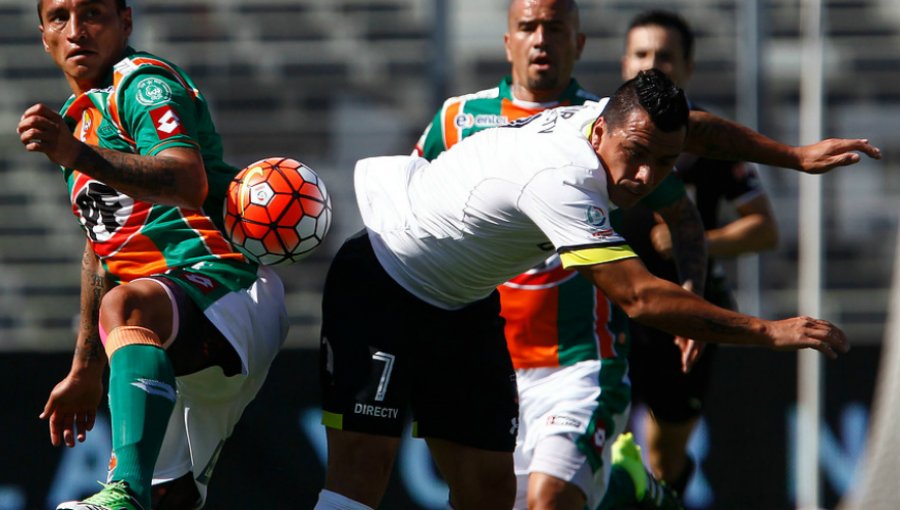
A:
[555,407]
[209,404]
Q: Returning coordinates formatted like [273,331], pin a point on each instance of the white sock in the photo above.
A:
[333,501]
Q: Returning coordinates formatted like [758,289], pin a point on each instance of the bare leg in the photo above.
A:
[359,465]
[667,447]
[478,479]
[547,492]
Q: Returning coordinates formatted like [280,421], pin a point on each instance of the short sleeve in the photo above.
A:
[571,207]
[157,112]
[431,143]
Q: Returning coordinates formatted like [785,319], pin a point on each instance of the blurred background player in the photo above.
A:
[567,341]
[670,379]
[189,327]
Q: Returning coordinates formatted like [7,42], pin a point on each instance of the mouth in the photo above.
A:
[541,62]
[79,52]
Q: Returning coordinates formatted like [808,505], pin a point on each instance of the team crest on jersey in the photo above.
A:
[166,122]
[598,220]
[152,90]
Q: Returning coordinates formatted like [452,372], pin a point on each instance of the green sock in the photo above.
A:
[141,399]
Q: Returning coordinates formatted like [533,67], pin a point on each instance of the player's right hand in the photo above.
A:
[806,332]
[41,129]
[72,409]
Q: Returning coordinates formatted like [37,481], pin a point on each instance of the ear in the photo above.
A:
[690,71]
[580,39]
[509,57]
[126,20]
[43,38]
[597,132]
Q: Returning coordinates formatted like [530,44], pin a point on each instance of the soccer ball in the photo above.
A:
[277,210]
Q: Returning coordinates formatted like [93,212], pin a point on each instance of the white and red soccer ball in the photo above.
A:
[277,210]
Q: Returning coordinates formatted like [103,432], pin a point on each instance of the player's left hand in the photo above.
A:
[661,237]
[72,409]
[690,351]
[43,130]
[823,156]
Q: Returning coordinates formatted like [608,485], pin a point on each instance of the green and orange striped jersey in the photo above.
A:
[465,115]
[148,106]
[553,316]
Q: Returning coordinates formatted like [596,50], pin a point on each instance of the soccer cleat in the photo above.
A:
[649,493]
[114,496]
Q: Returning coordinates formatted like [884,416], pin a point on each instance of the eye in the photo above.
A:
[56,17]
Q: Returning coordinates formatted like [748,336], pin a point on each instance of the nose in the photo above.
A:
[656,62]
[644,175]
[537,37]
[75,29]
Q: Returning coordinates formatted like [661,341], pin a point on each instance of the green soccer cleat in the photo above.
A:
[648,492]
[114,496]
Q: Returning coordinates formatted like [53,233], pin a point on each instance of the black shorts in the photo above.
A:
[384,352]
[655,367]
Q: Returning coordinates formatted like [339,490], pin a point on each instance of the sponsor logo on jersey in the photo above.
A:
[102,211]
[559,420]
[597,218]
[464,120]
[203,283]
[490,120]
[152,90]
[376,411]
[166,122]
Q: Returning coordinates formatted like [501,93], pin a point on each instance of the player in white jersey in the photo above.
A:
[410,311]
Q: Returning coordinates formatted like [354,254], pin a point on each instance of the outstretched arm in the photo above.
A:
[666,306]
[72,406]
[176,176]
[715,137]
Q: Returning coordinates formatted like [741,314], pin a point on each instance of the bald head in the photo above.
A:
[566,8]
[543,41]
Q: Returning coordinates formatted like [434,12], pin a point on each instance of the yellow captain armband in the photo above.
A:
[129,335]
[590,256]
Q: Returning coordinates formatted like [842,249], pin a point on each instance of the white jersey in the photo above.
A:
[493,206]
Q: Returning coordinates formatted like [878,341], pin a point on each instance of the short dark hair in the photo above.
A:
[652,91]
[121,5]
[671,20]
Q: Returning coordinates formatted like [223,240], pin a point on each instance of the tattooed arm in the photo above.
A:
[683,238]
[72,406]
[666,306]
[175,176]
[715,137]
[89,353]
[685,243]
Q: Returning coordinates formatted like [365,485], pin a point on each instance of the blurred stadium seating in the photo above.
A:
[330,81]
